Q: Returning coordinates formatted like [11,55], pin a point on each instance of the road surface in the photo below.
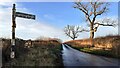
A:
[73,57]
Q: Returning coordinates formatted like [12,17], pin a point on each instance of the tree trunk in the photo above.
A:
[91,35]
[73,38]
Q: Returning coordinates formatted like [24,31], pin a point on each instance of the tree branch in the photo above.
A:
[83,9]
[105,24]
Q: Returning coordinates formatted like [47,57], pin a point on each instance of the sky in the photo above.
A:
[51,18]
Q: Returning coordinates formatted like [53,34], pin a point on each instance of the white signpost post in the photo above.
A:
[14,15]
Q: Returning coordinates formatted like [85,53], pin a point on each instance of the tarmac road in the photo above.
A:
[73,57]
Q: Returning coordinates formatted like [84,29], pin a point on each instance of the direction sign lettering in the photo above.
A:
[24,15]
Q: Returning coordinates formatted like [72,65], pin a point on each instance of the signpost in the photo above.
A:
[24,15]
[14,15]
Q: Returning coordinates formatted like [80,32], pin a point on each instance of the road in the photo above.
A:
[73,57]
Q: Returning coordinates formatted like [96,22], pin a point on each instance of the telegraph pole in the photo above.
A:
[12,55]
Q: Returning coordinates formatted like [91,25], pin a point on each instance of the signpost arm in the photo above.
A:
[13,33]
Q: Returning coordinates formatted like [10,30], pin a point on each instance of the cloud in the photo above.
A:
[35,29]
[26,29]
[49,16]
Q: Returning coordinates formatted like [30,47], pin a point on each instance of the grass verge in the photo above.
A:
[106,53]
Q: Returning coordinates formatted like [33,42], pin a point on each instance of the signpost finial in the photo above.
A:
[13,5]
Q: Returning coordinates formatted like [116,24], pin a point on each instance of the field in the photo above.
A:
[106,46]
[41,53]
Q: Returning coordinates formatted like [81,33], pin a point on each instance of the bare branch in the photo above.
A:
[103,7]
[84,30]
[106,22]
[82,7]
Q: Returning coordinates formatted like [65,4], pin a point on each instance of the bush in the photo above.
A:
[44,53]
[6,49]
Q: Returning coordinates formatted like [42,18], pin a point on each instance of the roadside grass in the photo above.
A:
[106,53]
[45,54]
[105,46]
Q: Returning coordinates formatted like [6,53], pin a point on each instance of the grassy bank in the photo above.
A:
[42,54]
[105,46]
[106,53]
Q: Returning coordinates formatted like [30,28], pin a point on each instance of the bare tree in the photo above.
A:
[73,31]
[91,10]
